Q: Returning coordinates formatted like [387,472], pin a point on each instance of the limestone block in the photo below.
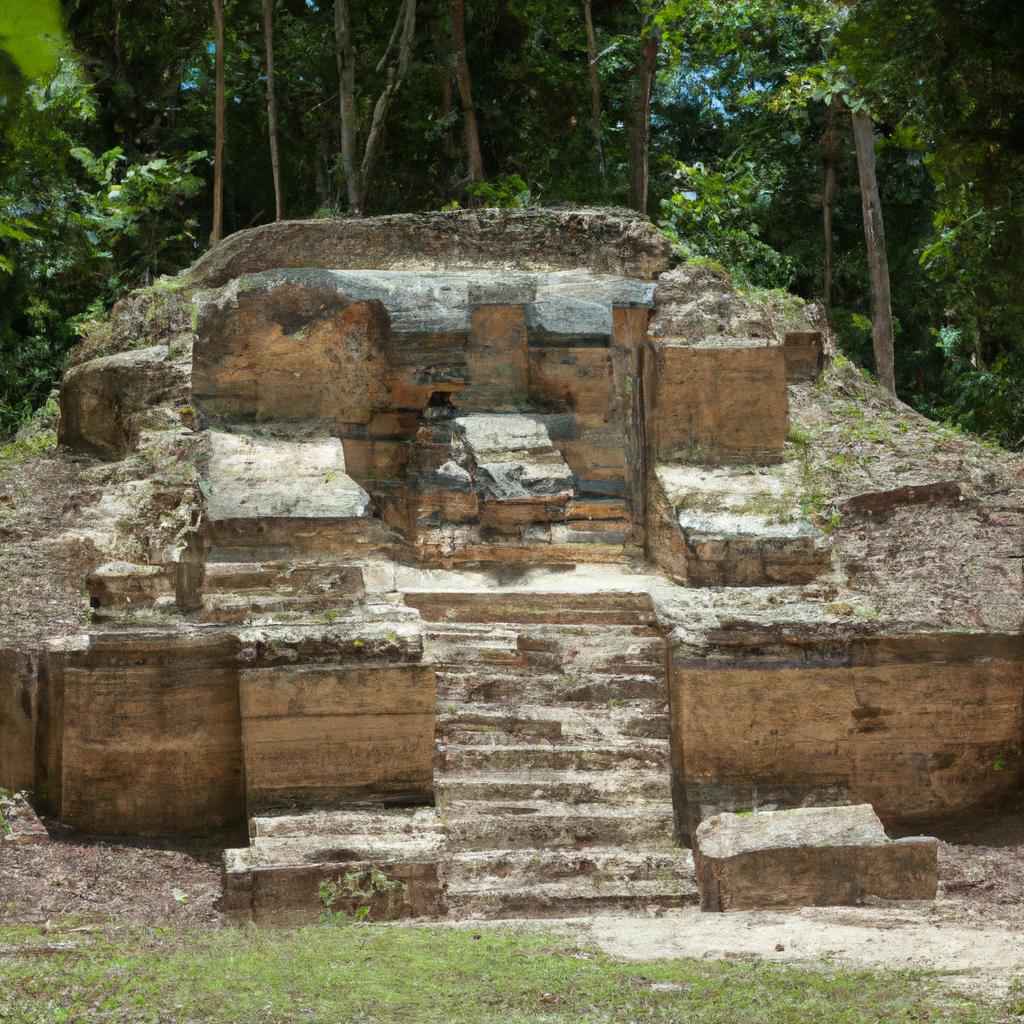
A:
[736,550]
[923,728]
[725,404]
[322,736]
[805,355]
[269,478]
[290,347]
[294,894]
[514,459]
[809,857]
[497,359]
[102,400]
[125,584]
[152,734]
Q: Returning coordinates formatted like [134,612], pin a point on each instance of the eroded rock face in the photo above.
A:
[809,857]
[602,241]
[104,401]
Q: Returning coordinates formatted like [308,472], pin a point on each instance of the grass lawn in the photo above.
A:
[354,973]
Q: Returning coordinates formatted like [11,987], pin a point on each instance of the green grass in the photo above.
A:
[367,973]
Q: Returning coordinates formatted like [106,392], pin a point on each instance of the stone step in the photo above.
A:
[516,685]
[498,723]
[464,644]
[256,607]
[517,868]
[283,577]
[495,757]
[569,786]
[597,510]
[581,897]
[605,608]
[396,822]
[546,824]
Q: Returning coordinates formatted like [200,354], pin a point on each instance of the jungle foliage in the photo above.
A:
[106,142]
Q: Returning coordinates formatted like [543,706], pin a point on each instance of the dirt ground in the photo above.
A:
[973,934]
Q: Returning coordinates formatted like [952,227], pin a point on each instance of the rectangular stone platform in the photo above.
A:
[809,857]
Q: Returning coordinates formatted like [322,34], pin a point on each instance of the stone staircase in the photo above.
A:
[552,756]
[551,772]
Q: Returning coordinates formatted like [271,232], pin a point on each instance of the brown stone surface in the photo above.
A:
[102,401]
[805,355]
[809,857]
[152,735]
[18,703]
[604,241]
[330,735]
[289,349]
[923,728]
[717,405]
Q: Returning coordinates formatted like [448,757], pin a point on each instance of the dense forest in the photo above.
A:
[837,150]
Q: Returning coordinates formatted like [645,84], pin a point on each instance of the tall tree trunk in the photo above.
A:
[474,156]
[447,96]
[640,128]
[345,53]
[396,61]
[218,106]
[275,160]
[829,161]
[878,261]
[595,92]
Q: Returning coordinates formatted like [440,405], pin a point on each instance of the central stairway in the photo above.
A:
[552,774]
[552,768]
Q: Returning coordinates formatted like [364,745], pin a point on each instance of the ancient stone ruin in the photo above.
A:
[475,559]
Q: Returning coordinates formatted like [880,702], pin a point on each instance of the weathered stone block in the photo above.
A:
[270,478]
[125,584]
[302,893]
[809,857]
[716,404]
[922,727]
[296,346]
[152,735]
[18,716]
[101,400]
[319,736]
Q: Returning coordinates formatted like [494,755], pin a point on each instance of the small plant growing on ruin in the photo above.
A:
[360,887]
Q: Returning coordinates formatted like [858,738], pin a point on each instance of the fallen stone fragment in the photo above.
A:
[21,824]
[811,856]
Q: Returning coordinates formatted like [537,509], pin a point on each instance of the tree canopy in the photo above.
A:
[107,142]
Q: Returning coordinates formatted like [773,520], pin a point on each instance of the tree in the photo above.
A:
[474,157]
[394,64]
[640,123]
[595,91]
[218,145]
[346,56]
[275,160]
[830,182]
[878,260]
